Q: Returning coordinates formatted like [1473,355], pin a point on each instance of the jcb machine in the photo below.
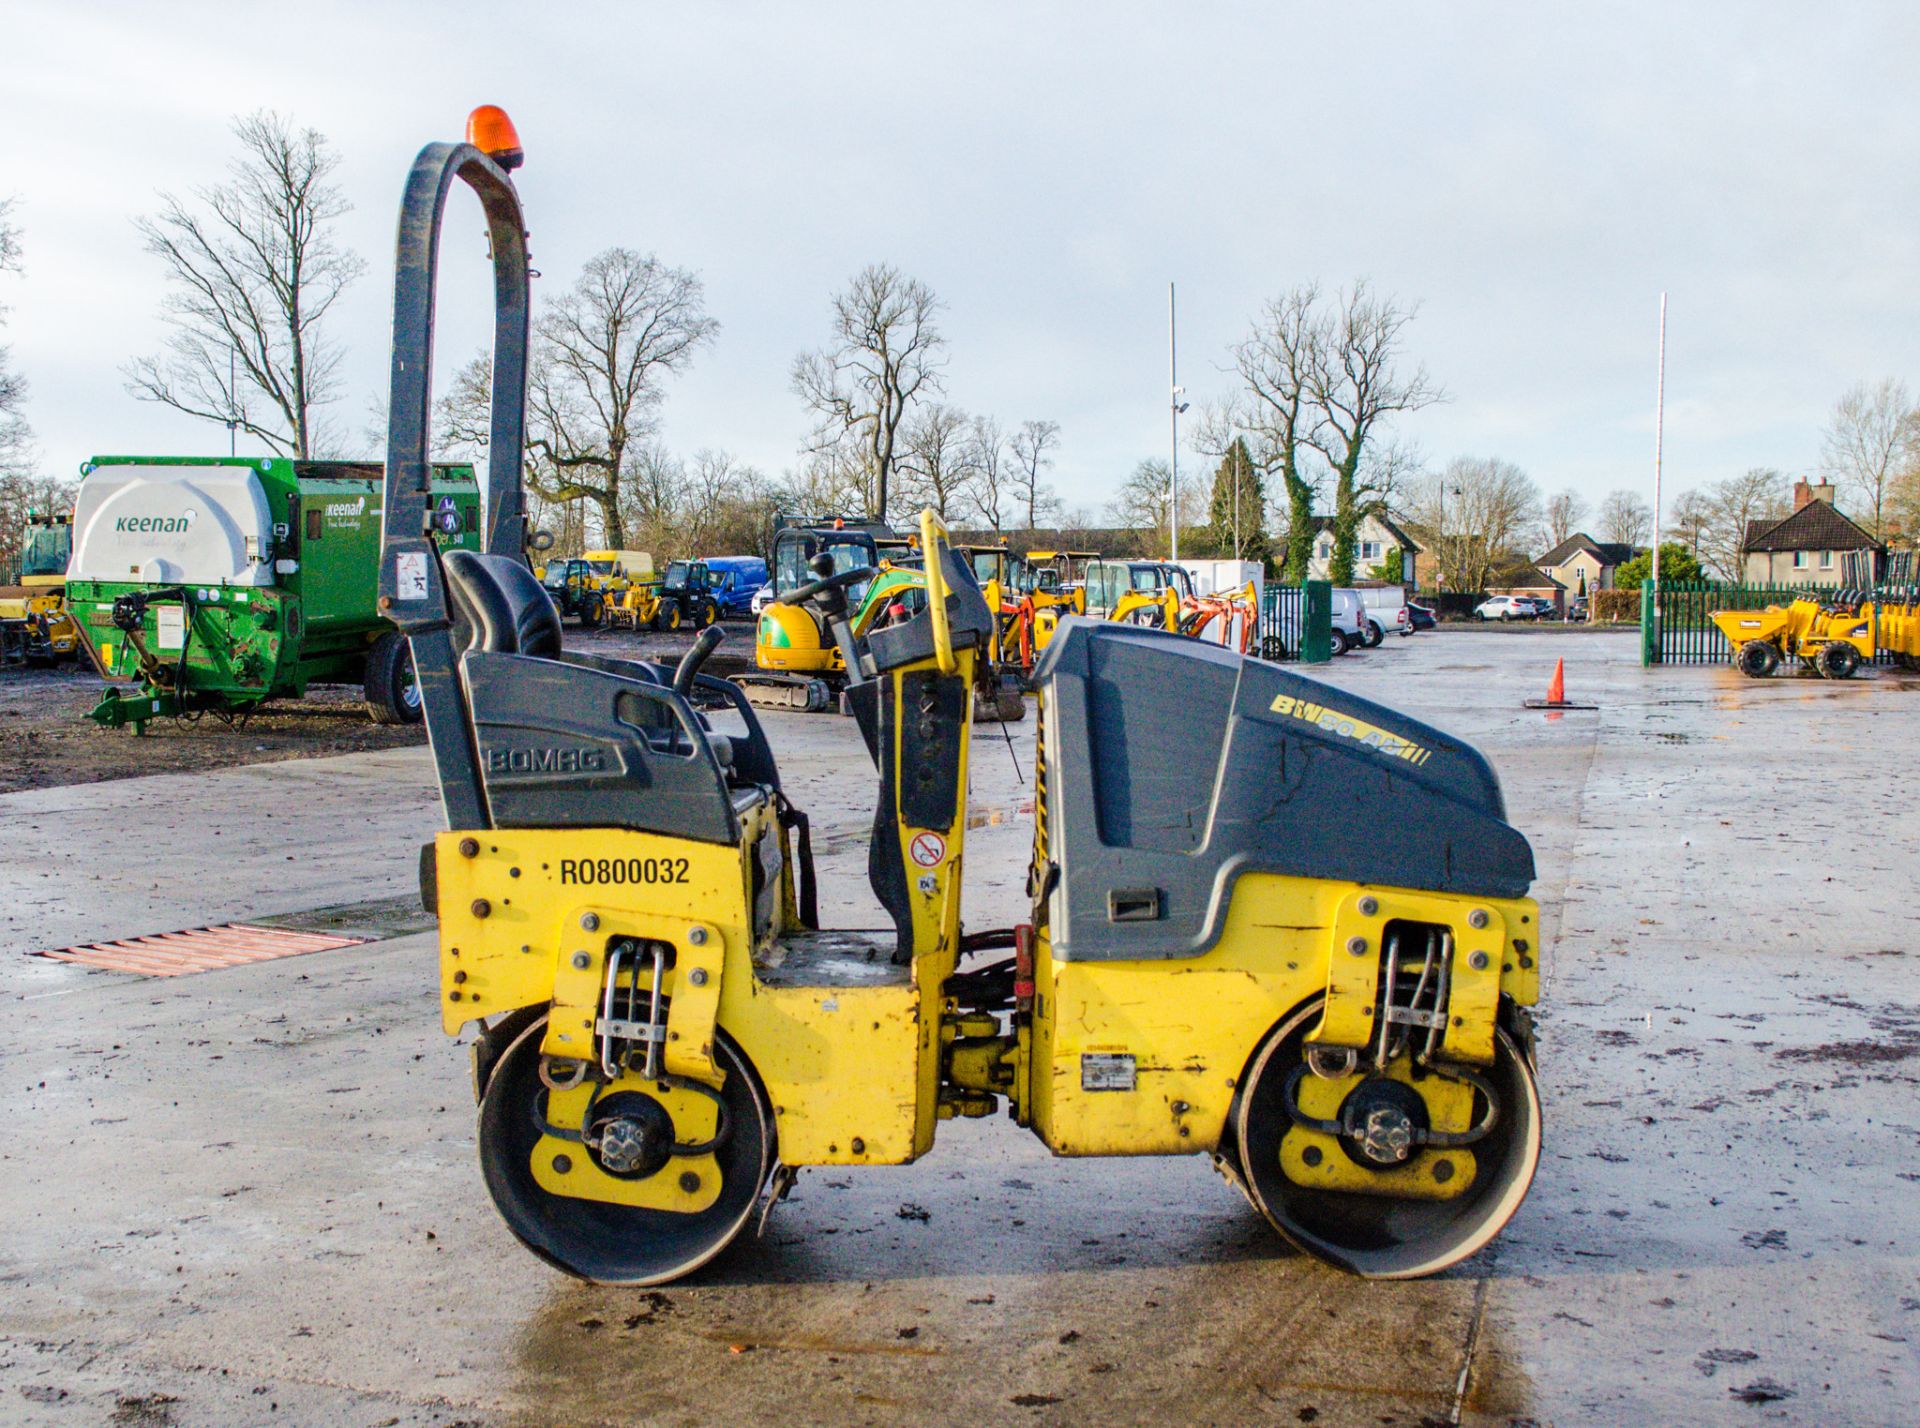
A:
[35,627]
[797,664]
[1214,962]
[1834,636]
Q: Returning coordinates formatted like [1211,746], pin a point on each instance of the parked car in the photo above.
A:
[1577,610]
[762,598]
[1506,607]
[1420,617]
[1542,608]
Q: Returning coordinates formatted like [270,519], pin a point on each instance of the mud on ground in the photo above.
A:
[46,740]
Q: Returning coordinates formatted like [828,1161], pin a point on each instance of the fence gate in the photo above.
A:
[1296,622]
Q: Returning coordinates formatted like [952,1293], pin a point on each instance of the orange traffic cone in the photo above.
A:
[1557,692]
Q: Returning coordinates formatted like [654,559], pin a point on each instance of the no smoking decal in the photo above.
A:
[929,850]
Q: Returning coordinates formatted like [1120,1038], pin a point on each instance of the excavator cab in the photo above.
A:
[1307,955]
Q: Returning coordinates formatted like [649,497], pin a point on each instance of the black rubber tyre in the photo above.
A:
[392,695]
[1838,660]
[667,616]
[618,1244]
[1374,634]
[706,614]
[1758,659]
[1373,1236]
[592,610]
[1339,643]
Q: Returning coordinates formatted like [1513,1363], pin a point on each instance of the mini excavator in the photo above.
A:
[1308,955]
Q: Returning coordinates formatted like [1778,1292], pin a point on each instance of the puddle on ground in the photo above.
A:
[376,921]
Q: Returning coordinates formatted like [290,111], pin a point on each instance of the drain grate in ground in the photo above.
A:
[199,949]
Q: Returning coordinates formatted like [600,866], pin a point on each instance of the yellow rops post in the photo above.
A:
[1307,955]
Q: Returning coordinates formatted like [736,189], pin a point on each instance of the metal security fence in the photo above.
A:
[1685,632]
[1296,622]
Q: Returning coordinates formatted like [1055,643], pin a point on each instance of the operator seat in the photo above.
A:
[505,609]
[580,741]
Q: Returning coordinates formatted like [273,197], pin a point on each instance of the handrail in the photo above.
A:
[934,538]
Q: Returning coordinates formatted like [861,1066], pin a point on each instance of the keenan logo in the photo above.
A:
[337,510]
[157,525]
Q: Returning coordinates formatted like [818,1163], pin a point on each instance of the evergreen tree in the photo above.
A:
[1237,480]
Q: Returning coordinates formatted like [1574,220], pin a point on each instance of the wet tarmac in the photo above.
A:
[249,1196]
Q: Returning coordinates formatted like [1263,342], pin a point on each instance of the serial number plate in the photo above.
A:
[1100,1071]
[588,871]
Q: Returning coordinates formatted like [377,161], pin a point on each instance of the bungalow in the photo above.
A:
[1807,547]
[1581,565]
[1377,541]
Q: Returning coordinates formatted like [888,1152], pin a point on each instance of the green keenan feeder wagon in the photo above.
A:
[218,583]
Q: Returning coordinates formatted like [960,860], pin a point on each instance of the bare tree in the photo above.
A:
[1736,506]
[254,271]
[1483,515]
[730,507]
[1564,512]
[992,468]
[1277,361]
[1625,518]
[1354,386]
[937,469]
[830,480]
[16,437]
[1032,448]
[1144,504]
[1690,517]
[1869,442]
[604,348]
[884,355]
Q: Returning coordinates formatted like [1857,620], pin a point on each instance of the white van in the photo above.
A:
[1349,621]
[1386,610]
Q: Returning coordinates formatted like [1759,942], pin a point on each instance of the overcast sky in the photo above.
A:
[1532,176]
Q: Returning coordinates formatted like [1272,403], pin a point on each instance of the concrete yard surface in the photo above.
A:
[250,1196]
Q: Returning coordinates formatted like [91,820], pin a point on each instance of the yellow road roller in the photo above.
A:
[1307,955]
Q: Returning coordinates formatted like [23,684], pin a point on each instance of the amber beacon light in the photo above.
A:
[491,132]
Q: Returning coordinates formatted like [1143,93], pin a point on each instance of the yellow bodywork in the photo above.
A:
[1191,1025]
[43,598]
[528,918]
[1140,1057]
[788,638]
[1800,629]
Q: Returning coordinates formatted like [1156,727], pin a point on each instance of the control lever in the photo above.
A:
[690,662]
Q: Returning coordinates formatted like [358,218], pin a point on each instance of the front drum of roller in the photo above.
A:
[1371,1235]
[618,1244]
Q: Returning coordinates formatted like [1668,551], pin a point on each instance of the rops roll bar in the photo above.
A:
[412,591]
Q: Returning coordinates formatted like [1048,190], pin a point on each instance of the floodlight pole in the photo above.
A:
[1659,431]
[1173,406]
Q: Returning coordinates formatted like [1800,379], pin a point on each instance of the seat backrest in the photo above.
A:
[502,605]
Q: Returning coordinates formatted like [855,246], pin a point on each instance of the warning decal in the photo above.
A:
[929,850]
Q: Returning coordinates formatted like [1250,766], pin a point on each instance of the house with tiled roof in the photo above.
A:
[1375,541]
[1581,565]
[1807,547]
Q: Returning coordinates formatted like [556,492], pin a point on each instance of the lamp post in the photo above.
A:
[1173,456]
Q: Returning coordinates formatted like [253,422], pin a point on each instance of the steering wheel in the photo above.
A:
[830,582]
